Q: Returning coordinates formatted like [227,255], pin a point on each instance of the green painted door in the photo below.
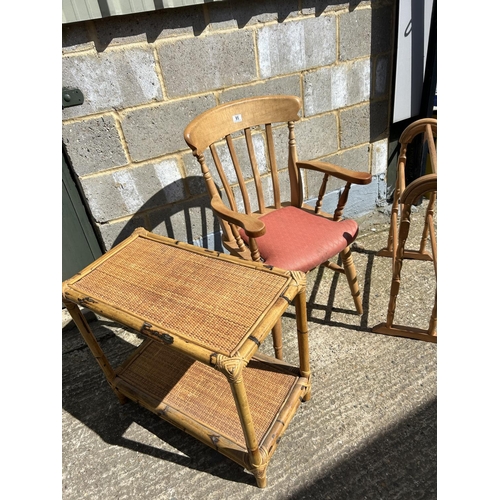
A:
[79,242]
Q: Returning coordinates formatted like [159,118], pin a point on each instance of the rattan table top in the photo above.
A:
[211,300]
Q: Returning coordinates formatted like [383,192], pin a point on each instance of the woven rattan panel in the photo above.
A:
[204,394]
[207,300]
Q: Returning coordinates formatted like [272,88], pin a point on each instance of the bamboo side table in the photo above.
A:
[204,316]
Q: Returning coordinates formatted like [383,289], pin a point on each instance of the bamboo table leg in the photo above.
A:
[96,350]
[232,368]
[278,340]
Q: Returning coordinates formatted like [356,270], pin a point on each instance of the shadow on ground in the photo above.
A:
[89,399]
[398,464]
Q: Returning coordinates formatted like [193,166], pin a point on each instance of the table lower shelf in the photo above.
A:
[198,399]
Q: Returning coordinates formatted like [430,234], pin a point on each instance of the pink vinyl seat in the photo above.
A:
[300,241]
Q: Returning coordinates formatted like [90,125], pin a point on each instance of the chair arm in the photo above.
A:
[336,171]
[252,226]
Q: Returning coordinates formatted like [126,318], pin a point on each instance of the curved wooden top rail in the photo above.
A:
[428,127]
[419,187]
[222,120]
[418,127]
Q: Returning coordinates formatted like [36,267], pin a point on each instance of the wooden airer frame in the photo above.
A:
[404,198]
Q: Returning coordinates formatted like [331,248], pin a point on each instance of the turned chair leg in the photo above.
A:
[352,278]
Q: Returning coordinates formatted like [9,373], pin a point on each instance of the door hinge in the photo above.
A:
[71,97]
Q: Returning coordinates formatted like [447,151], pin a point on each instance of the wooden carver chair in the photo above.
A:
[286,234]
[415,190]
[427,127]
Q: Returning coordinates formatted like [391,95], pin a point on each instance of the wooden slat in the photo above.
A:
[272,161]
[223,178]
[239,174]
[255,170]
[429,136]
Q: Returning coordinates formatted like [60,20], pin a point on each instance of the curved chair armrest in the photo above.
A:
[252,226]
[339,172]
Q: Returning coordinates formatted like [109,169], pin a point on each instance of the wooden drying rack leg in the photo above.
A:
[388,328]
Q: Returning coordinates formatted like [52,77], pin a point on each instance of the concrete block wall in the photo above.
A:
[145,77]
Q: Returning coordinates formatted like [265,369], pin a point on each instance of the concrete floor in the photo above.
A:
[368,432]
